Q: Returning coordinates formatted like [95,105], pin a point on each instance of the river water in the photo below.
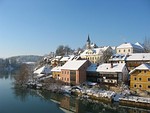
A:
[13,100]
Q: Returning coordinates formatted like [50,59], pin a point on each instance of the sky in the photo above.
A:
[38,27]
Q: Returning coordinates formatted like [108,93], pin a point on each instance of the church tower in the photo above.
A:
[88,43]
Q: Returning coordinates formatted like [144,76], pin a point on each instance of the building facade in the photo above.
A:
[140,78]
[129,48]
[112,74]
[74,72]
[56,71]
[94,54]
[132,61]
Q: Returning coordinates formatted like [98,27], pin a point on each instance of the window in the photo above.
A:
[148,86]
[67,79]
[140,71]
[140,86]
[119,50]
[62,78]
[135,78]
[128,50]
[124,50]
[140,79]
[145,71]
[134,85]
[72,75]
[148,79]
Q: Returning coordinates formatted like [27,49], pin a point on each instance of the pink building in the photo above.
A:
[74,72]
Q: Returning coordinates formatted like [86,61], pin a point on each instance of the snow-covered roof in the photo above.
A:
[65,58]
[138,44]
[118,57]
[58,57]
[141,67]
[132,57]
[130,45]
[106,67]
[73,65]
[138,57]
[43,70]
[125,45]
[71,57]
[113,47]
[56,69]
[92,68]
[40,75]
[94,51]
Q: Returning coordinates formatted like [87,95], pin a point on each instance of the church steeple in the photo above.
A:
[88,40]
[88,43]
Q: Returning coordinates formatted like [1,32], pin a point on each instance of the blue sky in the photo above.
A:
[39,26]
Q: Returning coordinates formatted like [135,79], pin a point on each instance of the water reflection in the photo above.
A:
[22,94]
[78,105]
[23,100]
[7,74]
[30,99]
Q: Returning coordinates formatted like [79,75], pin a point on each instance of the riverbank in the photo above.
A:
[94,92]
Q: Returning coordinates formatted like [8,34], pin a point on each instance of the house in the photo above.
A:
[129,48]
[56,61]
[140,77]
[112,74]
[132,61]
[64,59]
[94,54]
[137,59]
[56,71]
[43,71]
[74,72]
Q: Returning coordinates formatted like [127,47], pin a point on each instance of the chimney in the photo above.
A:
[111,64]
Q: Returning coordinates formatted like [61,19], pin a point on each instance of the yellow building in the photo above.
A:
[140,78]
[56,71]
[93,54]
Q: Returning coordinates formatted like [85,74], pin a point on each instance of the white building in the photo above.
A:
[129,48]
[112,74]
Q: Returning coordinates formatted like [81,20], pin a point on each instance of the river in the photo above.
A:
[14,100]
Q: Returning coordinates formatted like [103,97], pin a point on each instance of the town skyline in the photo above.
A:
[36,27]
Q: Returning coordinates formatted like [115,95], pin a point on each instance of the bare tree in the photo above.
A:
[147,45]
[106,56]
[23,75]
